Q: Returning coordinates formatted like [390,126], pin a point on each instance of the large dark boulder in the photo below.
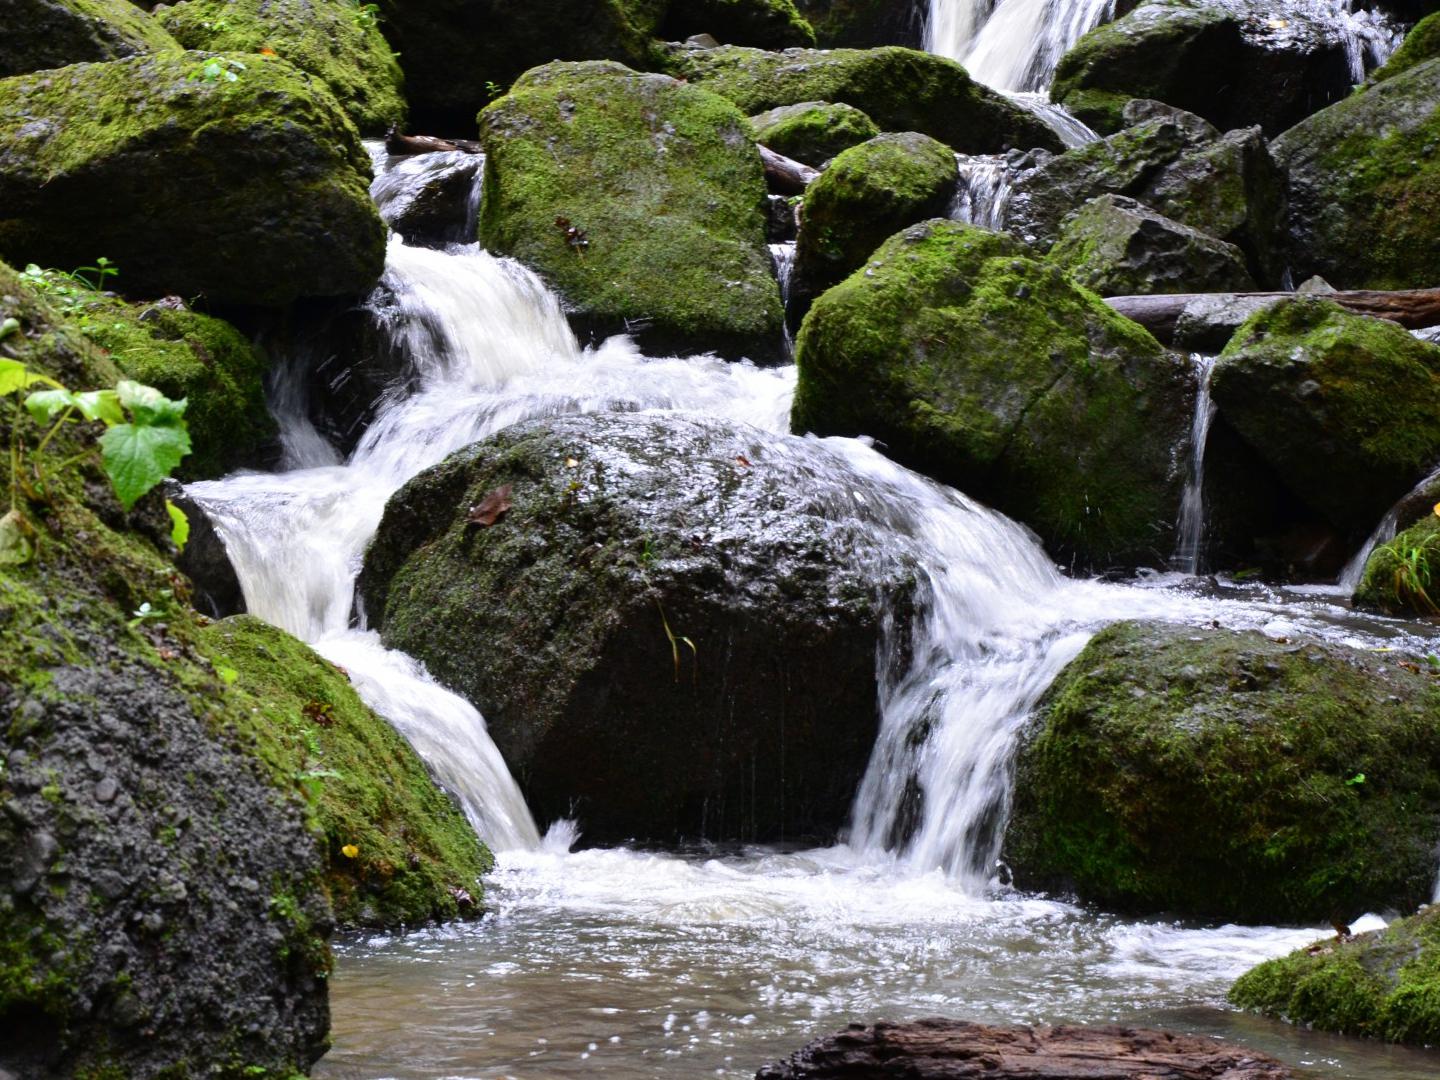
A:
[866,24]
[900,89]
[1364,186]
[1237,64]
[1341,406]
[43,34]
[765,24]
[1223,775]
[987,369]
[234,177]
[661,194]
[672,632]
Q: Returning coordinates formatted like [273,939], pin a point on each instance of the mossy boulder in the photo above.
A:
[1421,43]
[672,633]
[251,191]
[416,858]
[900,89]
[458,55]
[665,187]
[765,24]
[1341,406]
[866,24]
[1116,246]
[1364,186]
[1223,775]
[1383,984]
[334,40]
[988,370]
[1235,64]
[1402,577]
[150,864]
[868,193]
[1227,186]
[813,131]
[42,34]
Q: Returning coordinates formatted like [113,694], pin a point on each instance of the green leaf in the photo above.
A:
[100,405]
[45,405]
[13,376]
[228,675]
[148,405]
[138,456]
[179,525]
[8,327]
[17,539]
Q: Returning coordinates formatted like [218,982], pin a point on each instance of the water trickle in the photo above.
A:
[783,256]
[1190,529]
[1383,533]
[1011,45]
[982,191]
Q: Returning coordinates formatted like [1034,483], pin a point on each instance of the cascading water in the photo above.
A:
[1011,45]
[783,256]
[1190,529]
[982,192]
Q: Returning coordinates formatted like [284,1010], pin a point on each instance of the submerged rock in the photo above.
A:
[868,193]
[1118,247]
[1402,577]
[988,370]
[1384,984]
[334,40]
[900,89]
[939,1049]
[1237,64]
[1364,186]
[671,632]
[43,34]
[246,191]
[1224,775]
[1341,406]
[641,201]
[431,199]
[813,132]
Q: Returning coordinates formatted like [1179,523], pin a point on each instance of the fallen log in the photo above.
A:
[786,176]
[1413,309]
[397,145]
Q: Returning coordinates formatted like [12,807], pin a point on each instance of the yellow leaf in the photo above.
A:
[350,851]
[570,463]
[1437,509]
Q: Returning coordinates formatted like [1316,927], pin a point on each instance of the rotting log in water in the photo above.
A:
[1413,309]
[397,145]
[786,176]
[939,1049]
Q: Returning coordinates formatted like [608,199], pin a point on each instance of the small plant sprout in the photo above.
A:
[218,69]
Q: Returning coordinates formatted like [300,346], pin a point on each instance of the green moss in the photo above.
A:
[415,848]
[41,34]
[1102,110]
[330,39]
[1222,775]
[1421,43]
[765,24]
[1403,576]
[666,187]
[900,89]
[250,191]
[1384,984]
[1142,55]
[813,131]
[988,370]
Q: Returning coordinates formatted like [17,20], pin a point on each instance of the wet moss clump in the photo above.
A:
[1384,984]
[1421,43]
[1222,775]
[813,131]
[1403,576]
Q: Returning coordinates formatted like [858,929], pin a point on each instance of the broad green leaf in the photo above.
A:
[8,327]
[17,539]
[148,405]
[100,405]
[13,376]
[45,405]
[138,456]
[179,525]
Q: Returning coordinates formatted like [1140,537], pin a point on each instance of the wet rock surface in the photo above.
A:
[53,33]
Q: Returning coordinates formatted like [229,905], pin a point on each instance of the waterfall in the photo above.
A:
[1190,529]
[1011,45]
[1383,533]
[783,256]
[982,193]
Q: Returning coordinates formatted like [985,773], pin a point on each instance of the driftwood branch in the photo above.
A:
[786,176]
[397,145]
[1413,309]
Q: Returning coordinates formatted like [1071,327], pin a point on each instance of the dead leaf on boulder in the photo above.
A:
[491,508]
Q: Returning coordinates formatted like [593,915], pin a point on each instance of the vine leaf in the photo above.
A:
[491,508]
[138,456]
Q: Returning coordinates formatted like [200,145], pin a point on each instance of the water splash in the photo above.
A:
[1190,529]
[982,192]
[1011,45]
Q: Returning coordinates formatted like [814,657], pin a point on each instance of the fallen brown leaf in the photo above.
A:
[491,508]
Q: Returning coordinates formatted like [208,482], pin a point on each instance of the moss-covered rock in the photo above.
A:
[664,190]
[150,864]
[1421,43]
[813,131]
[1384,984]
[458,55]
[990,371]
[1222,775]
[900,89]
[1227,186]
[1341,406]
[251,191]
[416,857]
[1403,576]
[866,24]
[337,41]
[672,632]
[1364,186]
[1116,246]
[43,34]
[1235,64]
[868,193]
[765,24]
